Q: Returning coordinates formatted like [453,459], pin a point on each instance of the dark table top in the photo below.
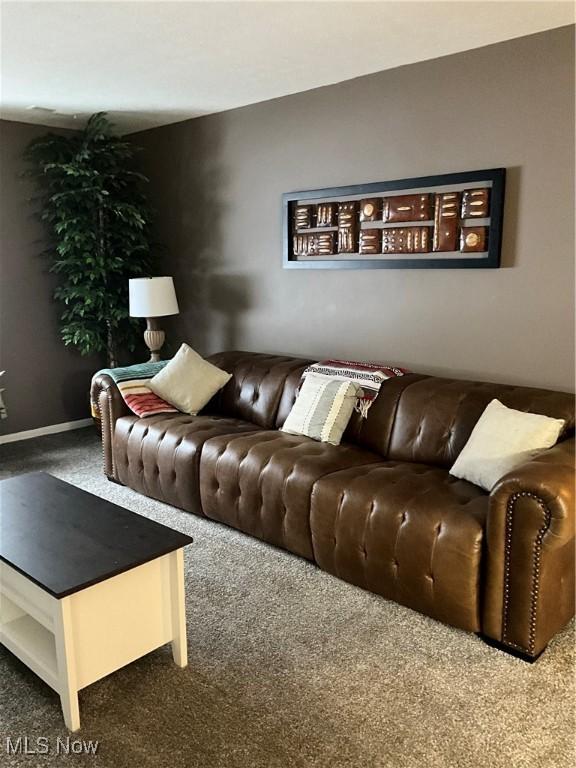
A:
[65,539]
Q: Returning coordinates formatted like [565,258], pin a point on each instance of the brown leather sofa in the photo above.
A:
[380,510]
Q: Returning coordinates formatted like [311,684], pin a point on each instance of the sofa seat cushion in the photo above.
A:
[410,532]
[159,456]
[261,483]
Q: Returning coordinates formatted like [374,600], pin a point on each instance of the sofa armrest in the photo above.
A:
[107,405]
[530,552]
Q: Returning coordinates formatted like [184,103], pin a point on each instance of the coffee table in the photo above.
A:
[85,586]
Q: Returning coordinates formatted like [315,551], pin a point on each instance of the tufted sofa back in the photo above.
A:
[417,418]
[255,391]
[435,416]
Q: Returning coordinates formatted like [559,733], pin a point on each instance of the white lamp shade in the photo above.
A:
[152,297]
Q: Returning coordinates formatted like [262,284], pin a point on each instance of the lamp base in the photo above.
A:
[154,338]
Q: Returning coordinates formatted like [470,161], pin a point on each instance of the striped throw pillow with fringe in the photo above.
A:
[322,409]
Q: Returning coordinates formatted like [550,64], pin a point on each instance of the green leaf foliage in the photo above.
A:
[94,206]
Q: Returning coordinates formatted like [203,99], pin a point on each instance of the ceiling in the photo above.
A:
[158,62]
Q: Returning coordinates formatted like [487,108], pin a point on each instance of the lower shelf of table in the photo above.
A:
[27,639]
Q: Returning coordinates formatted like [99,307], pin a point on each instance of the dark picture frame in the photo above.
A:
[494,179]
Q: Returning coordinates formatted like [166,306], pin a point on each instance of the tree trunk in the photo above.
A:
[111,348]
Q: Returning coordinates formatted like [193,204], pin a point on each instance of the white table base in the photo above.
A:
[73,641]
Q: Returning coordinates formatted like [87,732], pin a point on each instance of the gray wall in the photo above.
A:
[46,382]
[218,182]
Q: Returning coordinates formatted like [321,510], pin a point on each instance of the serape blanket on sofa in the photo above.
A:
[132,381]
[369,376]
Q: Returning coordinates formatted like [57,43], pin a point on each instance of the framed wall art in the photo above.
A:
[452,221]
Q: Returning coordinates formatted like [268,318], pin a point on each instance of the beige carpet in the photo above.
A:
[290,667]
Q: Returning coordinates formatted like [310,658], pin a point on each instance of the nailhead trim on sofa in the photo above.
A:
[535,570]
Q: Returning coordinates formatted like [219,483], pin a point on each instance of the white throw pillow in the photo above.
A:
[188,381]
[501,440]
[322,409]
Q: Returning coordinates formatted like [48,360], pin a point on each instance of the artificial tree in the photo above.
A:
[95,209]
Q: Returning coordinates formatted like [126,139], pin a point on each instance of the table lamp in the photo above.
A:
[152,297]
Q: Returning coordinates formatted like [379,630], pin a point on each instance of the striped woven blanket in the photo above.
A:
[369,376]
[132,381]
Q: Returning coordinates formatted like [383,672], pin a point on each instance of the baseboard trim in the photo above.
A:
[51,429]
